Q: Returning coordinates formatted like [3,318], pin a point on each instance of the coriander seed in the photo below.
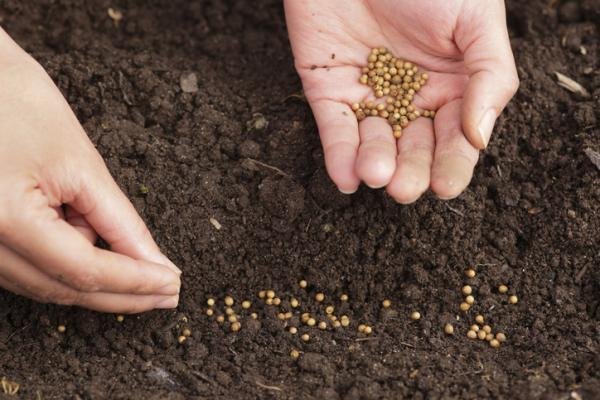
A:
[501,337]
[502,289]
[494,343]
[210,302]
[61,328]
[236,326]
[513,299]
[470,273]
[386,303]
[415,315]
[449,329]
[470,300]
[467,290]
[471,334]
[120,318]
[319,297]
[228,301]
[294,353]
[479,319]
[305,337]
[293,330]
[181,339]
[246,304]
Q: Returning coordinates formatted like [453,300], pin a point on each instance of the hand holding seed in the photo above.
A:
[464,50]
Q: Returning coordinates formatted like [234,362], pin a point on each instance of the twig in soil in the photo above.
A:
[593,156]
[272,168]
[364,339]
[268,387]
[8,387]
[203,377]
[571,85]
[17,331]
[454,210]
[581,273]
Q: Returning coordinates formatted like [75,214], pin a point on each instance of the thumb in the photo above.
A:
[482,36]
[102,203]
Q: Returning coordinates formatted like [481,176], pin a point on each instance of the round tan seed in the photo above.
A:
[449,329]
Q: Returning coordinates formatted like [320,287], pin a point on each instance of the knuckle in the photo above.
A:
[62,296]
[85,281]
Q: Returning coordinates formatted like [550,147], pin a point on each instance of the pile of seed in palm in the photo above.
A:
[398,81]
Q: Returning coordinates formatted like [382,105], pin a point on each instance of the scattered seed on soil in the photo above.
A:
[449,329]
[344,297]
[246,304]
[470,273]
[294,303]
[236,326]
[501,337]
[470,300]
[481,335]
[62,328]
[120,318]
[262,294]
[494,343]
[311,322]
[475,328]
[270,294]
[502,289]
[329,309]
[221,318]
[361,328]
[467,290]
[345,321]
[210,302]
[415,315]
[232,318]
[368,330]
[337,324]
[276,301]
[322,325]
[209,312]
[293,330]
[186,332]
[303,284]
[464,306]
[181,339]
[319,297]
[487,328]
[479,319]
[254,315]
[295,354]
[471,334]
[489,336]
[229,301]
[229,311]
[305,337]
[513,299]
[386,303]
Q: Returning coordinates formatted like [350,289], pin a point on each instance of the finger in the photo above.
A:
[455,157]
[338,130]
[440,89]
[16,289]
[376,159]
[64,254]
[493,79]
[108,211]
[78,221]
[39,286]
[415,155]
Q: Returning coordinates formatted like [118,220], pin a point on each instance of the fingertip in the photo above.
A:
[410,182]
[376,163]
[450,176]
[167,303]
[340,160]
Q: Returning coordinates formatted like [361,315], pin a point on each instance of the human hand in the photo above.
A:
[464,47]
[56,196]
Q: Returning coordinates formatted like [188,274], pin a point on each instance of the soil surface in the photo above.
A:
[243,150]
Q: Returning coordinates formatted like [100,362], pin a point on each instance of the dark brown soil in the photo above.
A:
[531,215]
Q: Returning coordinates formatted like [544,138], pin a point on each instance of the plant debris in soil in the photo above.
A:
[529,220]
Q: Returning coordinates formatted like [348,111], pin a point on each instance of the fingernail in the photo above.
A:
[486,125]
[170,264]
[347,191]
[170,302]
[170,289]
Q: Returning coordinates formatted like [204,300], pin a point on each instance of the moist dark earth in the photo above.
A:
[244,150]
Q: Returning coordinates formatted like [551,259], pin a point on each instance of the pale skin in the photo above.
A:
[57,196]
